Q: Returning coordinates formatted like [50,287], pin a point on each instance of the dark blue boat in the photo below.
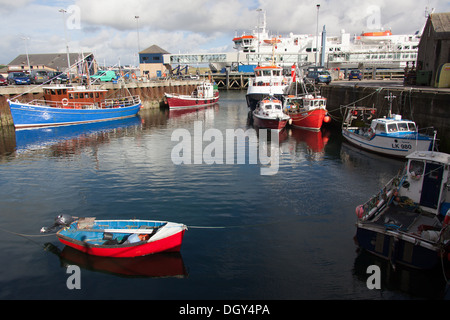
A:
[72,105]
[408,221]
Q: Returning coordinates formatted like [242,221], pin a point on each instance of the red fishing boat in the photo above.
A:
[269,114]
[205,94]
[120,238]
[307,111]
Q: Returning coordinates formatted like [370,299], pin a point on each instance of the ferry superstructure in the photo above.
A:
[380,49]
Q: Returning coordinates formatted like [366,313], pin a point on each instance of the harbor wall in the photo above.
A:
[426,106]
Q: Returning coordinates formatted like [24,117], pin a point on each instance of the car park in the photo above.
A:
[18,78]
[355,74]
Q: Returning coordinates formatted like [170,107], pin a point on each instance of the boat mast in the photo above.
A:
[390,97]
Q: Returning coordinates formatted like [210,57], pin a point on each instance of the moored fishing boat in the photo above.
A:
[389,135]
[407,222]
[307,111]
[67,105]
[269,114]
[205,94]
[119,238]
[268,81]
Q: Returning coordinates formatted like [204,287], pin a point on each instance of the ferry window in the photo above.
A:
[392,127]
[71,96]
[402,126]
[96,95]
[277,106]
[412,126]
[380,127]
[416,167]
[91,95]
[266,73]
[269,106]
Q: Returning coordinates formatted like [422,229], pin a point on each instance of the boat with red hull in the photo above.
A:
[269,114]
[204,95]
[115,238]
[307,111]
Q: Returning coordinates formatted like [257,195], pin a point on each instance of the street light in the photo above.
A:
[26,51]
[65,35]
[317,32]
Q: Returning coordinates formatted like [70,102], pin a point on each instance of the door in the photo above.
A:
[431,186]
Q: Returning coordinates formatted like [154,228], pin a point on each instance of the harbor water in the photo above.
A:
[253,236]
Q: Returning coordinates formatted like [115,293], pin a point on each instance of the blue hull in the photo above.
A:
[28,115]
[396,250]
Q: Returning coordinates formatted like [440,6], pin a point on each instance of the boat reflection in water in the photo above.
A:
[159,265]
[310,143]
[411,282]
[71,136]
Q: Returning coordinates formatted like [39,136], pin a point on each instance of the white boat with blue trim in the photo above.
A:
[391,135]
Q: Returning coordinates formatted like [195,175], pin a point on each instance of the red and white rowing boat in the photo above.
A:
[121,238]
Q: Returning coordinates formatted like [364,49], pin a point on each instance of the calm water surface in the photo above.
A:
[284,236]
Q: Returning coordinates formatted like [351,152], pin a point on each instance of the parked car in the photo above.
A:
[18,78]
[58,77]
[3,81]
[39,76]
[104,75]
[355,74]
[319,76]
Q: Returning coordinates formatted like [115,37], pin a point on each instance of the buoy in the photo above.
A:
[327,119]
[359,211]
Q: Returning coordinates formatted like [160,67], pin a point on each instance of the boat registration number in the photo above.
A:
[403,146]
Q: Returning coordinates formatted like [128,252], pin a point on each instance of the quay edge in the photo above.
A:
[428,107]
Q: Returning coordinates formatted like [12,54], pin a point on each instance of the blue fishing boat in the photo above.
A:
[66,105]
[391,135]
[408,221]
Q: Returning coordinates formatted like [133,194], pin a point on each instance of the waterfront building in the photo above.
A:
[434,49]
[151,62]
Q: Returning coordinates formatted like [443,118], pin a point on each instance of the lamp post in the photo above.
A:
[65,35]
[317,32]
[26,51]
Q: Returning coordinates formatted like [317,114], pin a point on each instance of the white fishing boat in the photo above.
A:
[269,114]
[268,81]
[391,135]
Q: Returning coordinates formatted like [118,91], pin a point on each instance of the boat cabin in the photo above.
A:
[205,90]
[71,96]
[393,125]
[305,103]
[269,76]
[270,106]
[427,180]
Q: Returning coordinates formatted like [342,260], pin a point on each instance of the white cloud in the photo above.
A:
[109,28]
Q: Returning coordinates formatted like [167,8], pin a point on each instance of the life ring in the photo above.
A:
[200,94]
[65,102]
[133,75]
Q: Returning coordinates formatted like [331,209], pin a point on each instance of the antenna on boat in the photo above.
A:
[390,98]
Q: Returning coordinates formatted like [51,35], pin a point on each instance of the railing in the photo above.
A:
[108,103]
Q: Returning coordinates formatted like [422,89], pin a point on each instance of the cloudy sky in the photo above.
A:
[110,30]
